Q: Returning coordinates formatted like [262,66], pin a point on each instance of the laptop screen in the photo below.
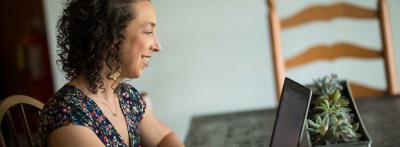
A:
[292,111]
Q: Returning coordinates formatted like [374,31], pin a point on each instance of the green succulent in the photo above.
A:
[319,126]
[332,120]
[342,130]
[326,85]
[332,104]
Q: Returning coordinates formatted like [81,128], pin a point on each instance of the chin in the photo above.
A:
[136,75]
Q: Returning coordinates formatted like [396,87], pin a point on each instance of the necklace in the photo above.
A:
[115,114]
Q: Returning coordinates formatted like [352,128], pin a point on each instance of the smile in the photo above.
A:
[146,60]
[146,57]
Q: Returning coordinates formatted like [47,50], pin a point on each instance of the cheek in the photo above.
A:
[133,48]
[132,54]
[138,48]
[142,43]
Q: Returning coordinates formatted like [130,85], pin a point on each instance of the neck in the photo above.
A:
[105,94]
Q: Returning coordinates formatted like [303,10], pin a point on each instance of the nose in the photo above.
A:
[156,46]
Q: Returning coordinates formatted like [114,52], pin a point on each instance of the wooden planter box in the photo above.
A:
[365,139]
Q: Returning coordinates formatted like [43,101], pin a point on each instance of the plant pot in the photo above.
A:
[364,141]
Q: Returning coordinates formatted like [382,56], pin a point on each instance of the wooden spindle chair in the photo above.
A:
[19,121]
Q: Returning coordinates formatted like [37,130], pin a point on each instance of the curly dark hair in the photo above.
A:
[89,36]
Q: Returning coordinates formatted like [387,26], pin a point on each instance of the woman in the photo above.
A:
[102,42]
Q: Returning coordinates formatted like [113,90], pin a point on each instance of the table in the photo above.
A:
[381,116]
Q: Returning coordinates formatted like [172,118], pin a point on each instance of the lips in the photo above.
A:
[146,60]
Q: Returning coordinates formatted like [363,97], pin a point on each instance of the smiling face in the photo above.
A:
[140,41]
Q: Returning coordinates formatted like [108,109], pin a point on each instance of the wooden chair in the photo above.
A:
[19,121]
[341,49]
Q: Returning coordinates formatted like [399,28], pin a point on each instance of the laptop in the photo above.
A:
[291,115]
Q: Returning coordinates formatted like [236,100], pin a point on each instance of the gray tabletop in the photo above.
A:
[381,117]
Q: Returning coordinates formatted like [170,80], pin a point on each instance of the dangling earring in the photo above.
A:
[116,76]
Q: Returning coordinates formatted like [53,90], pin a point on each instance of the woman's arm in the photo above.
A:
[171,140]
[74,135]
[154,133]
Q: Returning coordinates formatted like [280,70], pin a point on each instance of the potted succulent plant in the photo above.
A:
[333,118]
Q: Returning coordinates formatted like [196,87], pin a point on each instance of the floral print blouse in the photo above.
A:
[70,106]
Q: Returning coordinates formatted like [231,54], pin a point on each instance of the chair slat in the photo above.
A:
[2,141]
[362,91]
[339,50]
[11,123]
[318,12]
[26,125]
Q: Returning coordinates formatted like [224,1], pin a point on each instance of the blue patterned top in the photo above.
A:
[70,106]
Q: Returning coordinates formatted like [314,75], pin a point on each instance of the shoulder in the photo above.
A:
[132,99]
[67,106]
[67,103]
[81,136]
[130,94]
[68,95]
[129,89]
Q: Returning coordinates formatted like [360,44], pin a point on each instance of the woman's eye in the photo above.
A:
[149,33]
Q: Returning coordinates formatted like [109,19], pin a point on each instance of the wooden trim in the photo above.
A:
[388,52]
[361,91]
[326,13]
[17,99]
[279,66]
[323,52]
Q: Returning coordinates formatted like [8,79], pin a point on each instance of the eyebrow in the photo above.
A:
[153,24]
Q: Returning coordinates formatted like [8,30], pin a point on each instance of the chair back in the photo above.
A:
[340,49]
[19,121]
